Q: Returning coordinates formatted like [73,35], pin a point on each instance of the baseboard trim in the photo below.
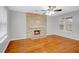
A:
[70,37]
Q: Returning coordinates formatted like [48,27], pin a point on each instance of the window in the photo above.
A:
[3,21]
[66,24]
[61,24]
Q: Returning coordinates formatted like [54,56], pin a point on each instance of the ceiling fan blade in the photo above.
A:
[58,10]
[43,10]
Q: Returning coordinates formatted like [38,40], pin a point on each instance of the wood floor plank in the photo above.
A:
[49,44]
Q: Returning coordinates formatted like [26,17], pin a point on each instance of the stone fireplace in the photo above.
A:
[36,25]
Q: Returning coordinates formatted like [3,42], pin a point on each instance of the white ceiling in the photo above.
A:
[37,9]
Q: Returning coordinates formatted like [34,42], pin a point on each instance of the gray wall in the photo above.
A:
[50,25]
[54,28]
[17,27]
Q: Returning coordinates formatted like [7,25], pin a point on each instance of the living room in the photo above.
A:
[37,22]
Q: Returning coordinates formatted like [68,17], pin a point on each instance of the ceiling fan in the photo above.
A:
[51,10]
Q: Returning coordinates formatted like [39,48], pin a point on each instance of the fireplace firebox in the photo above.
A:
[36,32]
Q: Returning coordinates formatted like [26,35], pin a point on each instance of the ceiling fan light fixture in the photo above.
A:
[50,13]
[51,10]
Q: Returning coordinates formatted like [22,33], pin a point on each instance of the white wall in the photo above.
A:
[17,25]
[53,25]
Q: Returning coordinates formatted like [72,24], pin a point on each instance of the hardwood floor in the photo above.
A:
[50,44]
